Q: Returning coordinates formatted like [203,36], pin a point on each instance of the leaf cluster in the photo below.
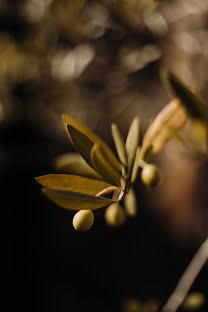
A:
[95,171]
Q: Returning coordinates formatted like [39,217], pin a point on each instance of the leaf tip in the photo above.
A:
[37,179]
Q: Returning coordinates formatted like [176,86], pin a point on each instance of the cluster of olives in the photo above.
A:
[115,215]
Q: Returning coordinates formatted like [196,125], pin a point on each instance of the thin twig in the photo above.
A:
[107,190]
[187,279]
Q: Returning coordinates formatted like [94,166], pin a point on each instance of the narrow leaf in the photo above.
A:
[76,201]
[119,143]
[84,148]
[103,167]
[194,106]
[136,165]
[132,143]
[82,143]
[148,151]
[172,116]
[73,163]
[72,183]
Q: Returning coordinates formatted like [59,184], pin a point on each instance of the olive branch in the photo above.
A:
[89,177]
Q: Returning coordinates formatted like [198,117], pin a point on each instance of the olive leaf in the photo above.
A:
[136,165]
[73,163]
[132,143]
[84,140]
[76,201]
[120,144]
[72,183]
[82,143]
[103,167]
[149,149]
[194,106]
[174,116]
[130,203]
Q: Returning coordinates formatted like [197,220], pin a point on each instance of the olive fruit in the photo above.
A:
[194,301]
[150,175]
[131,305]
[130,203]
[83,220]
[114,215]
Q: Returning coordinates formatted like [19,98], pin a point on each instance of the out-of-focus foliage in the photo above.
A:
[81,193]
[194,106]
[76,56]
[173,116]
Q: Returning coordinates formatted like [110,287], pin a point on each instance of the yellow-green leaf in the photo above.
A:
[148,151]
[194,106]
[119,143]
[73,163]
[132,143]
[72,183]
[86,140]
[103,167]
[173,116]
[82,143]
[136,165]
[76,201]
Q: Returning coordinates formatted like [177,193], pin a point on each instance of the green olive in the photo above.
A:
[83,220]
[194,301]
[131,305]
[114,215]
[130,203]
[150,175]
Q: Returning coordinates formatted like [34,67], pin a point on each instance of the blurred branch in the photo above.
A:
[187,279]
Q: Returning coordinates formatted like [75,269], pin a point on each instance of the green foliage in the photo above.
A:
[72,183]
[103,167]
[91,139]
[87,177]
[73,163]
[120,144]
[132,143]
[172,116]
[76,201]
[194,106]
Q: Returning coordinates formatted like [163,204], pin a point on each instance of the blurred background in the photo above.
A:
[98,61]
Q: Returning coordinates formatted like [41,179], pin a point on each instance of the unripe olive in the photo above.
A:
[114,215]
[130,203]
[83,220]
[131,305]
[194,301]
[150,175]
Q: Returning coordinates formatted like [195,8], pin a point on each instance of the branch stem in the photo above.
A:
[187,279]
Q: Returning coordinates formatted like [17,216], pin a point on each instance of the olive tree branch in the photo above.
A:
[187,279]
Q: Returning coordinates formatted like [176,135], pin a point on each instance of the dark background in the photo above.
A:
[51,266]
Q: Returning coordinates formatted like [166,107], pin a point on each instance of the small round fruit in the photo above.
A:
[114,215]
[83,220]
[131,305]
[150,175]
[130,203]
[194,301]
